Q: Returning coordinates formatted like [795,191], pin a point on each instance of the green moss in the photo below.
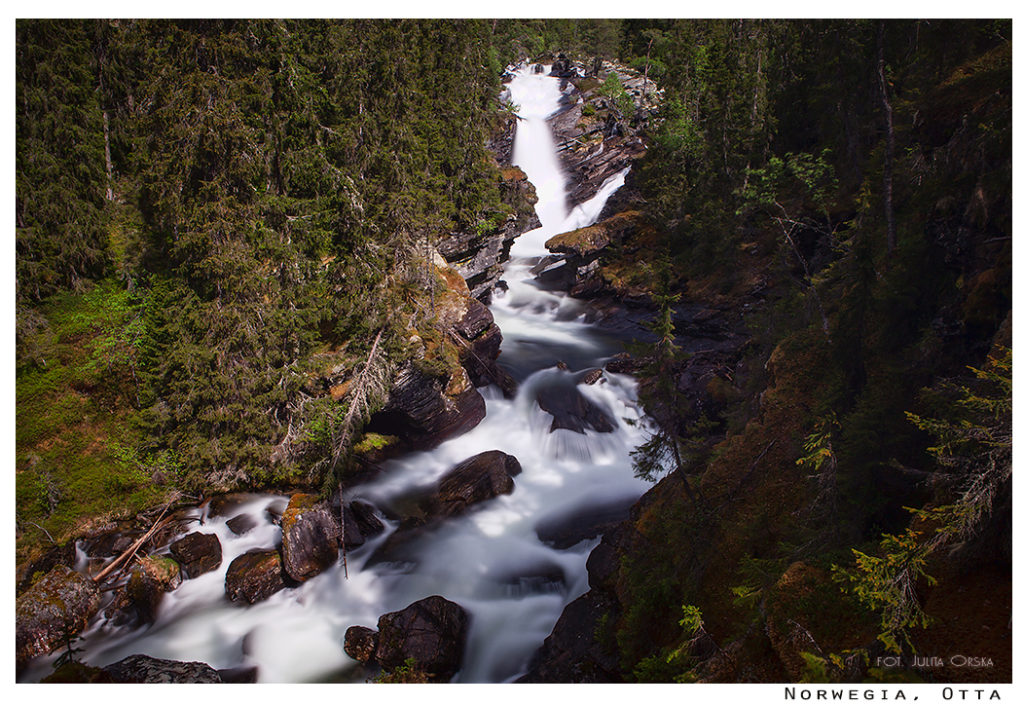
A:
[374,442]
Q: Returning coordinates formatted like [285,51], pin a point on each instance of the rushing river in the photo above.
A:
[490,561]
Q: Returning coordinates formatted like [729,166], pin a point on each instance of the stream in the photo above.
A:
[490,560]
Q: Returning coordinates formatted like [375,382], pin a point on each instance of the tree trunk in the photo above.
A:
[106,151]
[890,147]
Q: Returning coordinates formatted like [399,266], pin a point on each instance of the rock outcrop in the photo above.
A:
[310,532]
[59,604]
[422,411]
[581,248]
[594,138]
[479,255]
[143,669]
[255,576]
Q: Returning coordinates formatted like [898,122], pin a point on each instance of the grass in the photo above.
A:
[75,439]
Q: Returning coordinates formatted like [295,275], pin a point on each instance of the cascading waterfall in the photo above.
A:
[490,561]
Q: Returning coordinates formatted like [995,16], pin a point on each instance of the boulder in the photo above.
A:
[571,410]
[360,643]
[59,604]
[481,477]
[254,576]
[571,654]
[422,413]
[140,598]
[197,553]
[310,533]
[432,632]
[366,518]
[240,524]
[142,669]
[565,529]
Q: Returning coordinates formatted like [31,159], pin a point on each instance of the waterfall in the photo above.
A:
[491,560]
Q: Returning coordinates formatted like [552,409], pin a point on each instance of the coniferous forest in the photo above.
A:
[275,293]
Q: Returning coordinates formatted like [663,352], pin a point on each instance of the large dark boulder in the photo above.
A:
[142,669]
[571,410]
[481,477]
[571,654]
[61,603]
[310,532]
[254,576]
[197,553]
[422,411]
[431,631]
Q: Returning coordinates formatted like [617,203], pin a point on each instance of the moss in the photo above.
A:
[77,673]
[583,242]
[374,442]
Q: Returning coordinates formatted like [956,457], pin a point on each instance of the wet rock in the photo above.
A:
[310,533]
[254,576]
[479,256]
[365,515]
[476,479]
[402,547]
[360,643]
[585,243]
[623,363]
[602,566]
[142,669]
[431,631]
[197,553]
[275,510]
[571,410]
[241,524]
[60,603]
[227,504]
[239,675]
[571,654]
[139,599]
[112,540]
[422,414]
[539,577]
[566,529]
[590,377]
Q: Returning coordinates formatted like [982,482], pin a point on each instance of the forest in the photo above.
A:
[224,226]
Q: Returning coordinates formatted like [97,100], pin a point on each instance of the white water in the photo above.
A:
[490,561]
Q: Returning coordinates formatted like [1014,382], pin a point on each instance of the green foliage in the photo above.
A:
[613,89]
[268,179]
[407,673]
[977,449]
[887,584]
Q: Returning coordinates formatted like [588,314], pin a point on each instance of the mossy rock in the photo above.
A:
[58,605]
[584,242]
